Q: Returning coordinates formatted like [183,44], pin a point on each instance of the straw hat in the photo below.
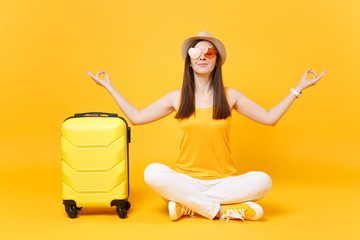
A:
[205,36]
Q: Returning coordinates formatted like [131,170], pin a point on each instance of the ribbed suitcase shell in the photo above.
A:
[95,160]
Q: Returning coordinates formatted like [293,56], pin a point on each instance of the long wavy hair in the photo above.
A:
[221,108]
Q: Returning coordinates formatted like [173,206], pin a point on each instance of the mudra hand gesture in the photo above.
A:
[305,82]
[106,83]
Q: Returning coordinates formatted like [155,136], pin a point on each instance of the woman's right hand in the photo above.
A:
[106,83]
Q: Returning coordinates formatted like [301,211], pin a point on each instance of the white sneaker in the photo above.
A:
[176,211]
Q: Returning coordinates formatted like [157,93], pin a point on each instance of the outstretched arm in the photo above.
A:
[252,110]
[153,112]
[279,110]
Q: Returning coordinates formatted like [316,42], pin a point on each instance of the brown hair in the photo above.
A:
[221,108]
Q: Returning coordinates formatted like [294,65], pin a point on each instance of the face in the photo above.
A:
[203,65]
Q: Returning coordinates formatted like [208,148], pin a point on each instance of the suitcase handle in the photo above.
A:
[95,114]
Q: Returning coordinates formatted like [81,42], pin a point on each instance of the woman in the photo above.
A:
[205,180]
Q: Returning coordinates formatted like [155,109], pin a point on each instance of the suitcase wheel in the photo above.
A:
[71,208]
[122,212]
[121,207]
[71,211]
[127,205]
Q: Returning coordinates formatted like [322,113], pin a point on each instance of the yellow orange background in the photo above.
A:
[312,154]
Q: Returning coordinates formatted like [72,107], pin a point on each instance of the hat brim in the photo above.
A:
[218,44]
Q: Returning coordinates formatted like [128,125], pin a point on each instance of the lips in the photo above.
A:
[202,64]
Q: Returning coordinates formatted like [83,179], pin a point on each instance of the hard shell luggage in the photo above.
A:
[95,162]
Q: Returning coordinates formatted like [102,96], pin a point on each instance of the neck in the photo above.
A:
[202,83]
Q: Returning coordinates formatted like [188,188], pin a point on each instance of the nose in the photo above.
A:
[202,56]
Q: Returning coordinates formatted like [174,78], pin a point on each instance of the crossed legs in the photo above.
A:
[206,196]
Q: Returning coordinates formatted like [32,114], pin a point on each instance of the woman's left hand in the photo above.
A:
[305,82]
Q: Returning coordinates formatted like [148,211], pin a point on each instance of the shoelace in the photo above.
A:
[187,211]
[235,213]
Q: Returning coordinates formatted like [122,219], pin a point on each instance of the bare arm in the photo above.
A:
[153,112]
[279,110]
[270,117]
[249,108]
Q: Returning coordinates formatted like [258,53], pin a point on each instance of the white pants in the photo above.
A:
[206,196]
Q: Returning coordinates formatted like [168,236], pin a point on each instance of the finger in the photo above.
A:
[106,74]
[90,74]
[97,80]
[322,74]
[97,75]
[306,72]
[315,75]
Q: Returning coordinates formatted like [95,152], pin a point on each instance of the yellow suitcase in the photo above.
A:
[95,162]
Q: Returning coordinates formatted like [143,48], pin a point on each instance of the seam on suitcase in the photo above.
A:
[89,146]
[96,192]
[100,171]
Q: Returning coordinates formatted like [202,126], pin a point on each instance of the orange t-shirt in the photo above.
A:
[204,146]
